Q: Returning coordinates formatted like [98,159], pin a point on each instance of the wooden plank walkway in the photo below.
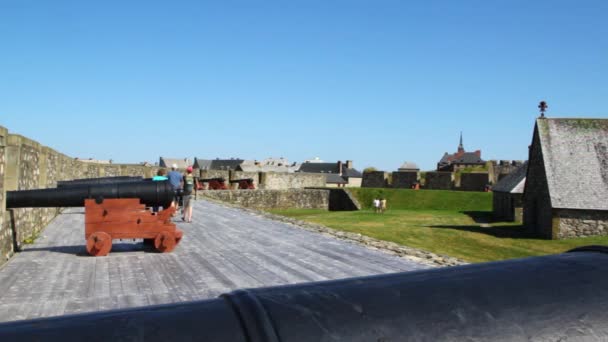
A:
[222,250]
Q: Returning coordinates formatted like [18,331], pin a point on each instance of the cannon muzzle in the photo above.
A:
[149,193]
[553,298]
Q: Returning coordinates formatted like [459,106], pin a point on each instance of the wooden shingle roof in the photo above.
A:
[514,182]
[575,156]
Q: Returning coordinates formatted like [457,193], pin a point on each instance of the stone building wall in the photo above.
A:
[537,214]
[438,180]
[404,179]
[375,179]
[275,199]
[580,223]
[474,181]
[6,241]
[283,180]
[24,165]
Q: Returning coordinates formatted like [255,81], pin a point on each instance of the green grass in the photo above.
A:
[454,231]
[425,199]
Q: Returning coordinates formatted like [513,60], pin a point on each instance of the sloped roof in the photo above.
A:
[575,155]
[217,164]
[181,163]
[203,164]
[513,182]
[351,173]
[319,167]
[331,168]
[410,166]
[334,178]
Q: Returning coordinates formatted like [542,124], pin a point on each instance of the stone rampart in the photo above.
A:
[375,179]
[215,174]
[404,179]
[275,199]
[283,180]
[5,234]
[474,181]
[438,180]
[26,164]
[244,175]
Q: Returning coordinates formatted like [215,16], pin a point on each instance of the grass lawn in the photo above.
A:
[453,232]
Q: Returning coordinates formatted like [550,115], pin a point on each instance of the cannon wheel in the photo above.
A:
[99,244]
[165,242]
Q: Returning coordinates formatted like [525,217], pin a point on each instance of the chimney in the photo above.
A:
[478,153]
[340,167]
[349,164]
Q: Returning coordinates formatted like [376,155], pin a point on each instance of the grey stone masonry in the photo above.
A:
[6,241]
[439,181]
[278,199]
[581,223]
[474,181]
[404,179]
[375,179]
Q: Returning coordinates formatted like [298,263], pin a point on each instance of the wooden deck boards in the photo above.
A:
[224,249]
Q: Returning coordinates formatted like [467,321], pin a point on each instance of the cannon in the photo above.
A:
[246,183]
[112,211]
[559,297]
[217,183]
[97,181]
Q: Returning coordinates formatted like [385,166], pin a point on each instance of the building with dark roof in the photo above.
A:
[507,202]
[460,159]
[181,163]
[338,174]
[566,188]
[217,164]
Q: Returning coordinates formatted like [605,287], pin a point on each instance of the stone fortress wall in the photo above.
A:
[26,164]
[442,180]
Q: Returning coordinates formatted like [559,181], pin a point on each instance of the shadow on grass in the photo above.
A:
[511,232]
[499,231]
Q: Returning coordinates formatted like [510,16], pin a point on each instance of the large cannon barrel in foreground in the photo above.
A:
[559,297]
[149,193]
[98,181]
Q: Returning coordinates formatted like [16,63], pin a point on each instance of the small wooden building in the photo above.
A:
[507,203]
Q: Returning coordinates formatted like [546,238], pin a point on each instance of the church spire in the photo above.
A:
[460,146]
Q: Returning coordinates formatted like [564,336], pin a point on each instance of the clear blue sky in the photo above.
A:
[377,82]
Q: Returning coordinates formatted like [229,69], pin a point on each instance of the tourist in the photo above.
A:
[383,205]
[376,204]
[188,184]
[175,179]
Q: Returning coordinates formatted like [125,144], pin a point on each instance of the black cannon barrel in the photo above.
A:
[250,180]
[558,297]
[217,179]
[150,194]
[99,180]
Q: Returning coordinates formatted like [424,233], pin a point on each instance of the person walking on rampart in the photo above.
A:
[175,179]
[188,183]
